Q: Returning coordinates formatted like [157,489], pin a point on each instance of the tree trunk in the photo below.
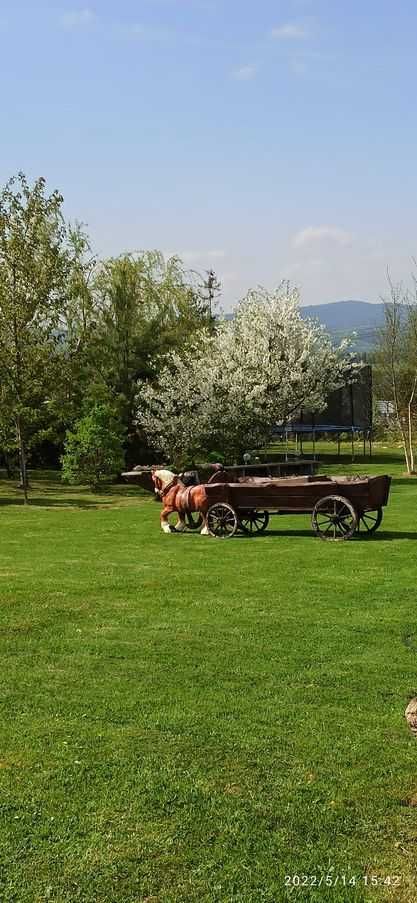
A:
[410,441]
[403,433]
[410,425]
[393,334]
[406,450]
[22,459]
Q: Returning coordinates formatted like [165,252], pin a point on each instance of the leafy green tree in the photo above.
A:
[73,332]
[80,352]
[395,366]
[94,450]
[147,308]
[118,321]
[35,261]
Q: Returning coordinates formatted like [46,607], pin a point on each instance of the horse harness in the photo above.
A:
[182,497]
[183,501]
[163,492]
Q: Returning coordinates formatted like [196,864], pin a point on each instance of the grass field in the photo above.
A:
[186,719]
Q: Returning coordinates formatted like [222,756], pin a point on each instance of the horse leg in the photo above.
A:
[165,526]
[205,530]
[180,525]
[201,504]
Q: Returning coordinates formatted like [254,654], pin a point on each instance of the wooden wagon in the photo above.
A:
[339,506]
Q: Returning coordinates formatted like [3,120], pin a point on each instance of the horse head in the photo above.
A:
[162,479]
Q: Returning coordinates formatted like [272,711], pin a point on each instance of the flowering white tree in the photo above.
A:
[227,390]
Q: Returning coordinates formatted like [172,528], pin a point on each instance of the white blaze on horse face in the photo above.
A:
[165,476]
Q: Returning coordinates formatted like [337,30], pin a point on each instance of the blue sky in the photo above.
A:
[270,139]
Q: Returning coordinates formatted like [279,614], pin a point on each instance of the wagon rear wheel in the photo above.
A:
[253,522]
[334,518]
[369,521]
[222,520]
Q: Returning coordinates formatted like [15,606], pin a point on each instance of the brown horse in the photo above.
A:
[179,499]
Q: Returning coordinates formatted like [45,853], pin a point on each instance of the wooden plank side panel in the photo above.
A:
[365,494]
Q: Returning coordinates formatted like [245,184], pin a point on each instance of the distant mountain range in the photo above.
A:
[341,318]
[347,315]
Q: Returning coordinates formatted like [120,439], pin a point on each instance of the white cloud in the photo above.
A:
[289,31]
[245,73]
[78,18]
[314,234]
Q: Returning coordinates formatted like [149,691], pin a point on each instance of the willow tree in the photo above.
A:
[34,265]
[147,306]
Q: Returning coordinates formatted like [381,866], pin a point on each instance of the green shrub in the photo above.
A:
[94,450]
[215,457]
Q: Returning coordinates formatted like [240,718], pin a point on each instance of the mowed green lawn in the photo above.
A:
[190,719]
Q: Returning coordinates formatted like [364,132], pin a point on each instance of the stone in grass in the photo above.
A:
[411,716]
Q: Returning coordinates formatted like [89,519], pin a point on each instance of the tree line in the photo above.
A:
[78,333]
[111,362]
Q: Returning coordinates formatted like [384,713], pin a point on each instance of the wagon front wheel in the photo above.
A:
[334,518]
[369,521]
[222,520]
[253,522]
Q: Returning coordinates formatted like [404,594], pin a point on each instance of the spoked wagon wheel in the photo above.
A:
[334,518]
[253,522]
[369,521]
[194,520]
[222,520]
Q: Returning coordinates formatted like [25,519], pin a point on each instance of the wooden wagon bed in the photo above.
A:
[300,494]
[339,505]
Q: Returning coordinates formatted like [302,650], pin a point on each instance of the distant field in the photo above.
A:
[186,719]
[384,459]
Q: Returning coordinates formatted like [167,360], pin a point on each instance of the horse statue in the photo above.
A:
[177,498]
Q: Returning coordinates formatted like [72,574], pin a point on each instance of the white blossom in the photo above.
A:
[226,391]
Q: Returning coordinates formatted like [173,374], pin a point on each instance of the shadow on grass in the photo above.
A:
[43,502]
[57,496]
[390,534]
[379,536]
